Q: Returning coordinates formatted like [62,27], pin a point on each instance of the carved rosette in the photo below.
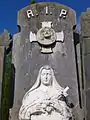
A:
[46,37]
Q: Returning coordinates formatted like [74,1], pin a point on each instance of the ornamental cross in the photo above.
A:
[46,36]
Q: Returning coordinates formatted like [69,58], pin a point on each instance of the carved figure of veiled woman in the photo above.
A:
[44,100]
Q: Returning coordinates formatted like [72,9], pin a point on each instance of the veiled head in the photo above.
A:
[45,77]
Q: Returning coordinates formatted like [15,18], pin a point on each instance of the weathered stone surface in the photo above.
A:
[28,59]
[85,23]
[85,44]
[87,71]
[1,62]
[88,104]
[4,38]
[1,67]
[4,42]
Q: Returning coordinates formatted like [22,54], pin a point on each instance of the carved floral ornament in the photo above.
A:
[46,36]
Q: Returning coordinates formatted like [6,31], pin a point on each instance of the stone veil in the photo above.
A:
[44,99]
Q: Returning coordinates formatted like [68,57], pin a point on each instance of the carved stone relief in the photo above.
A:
[46,99]
[46,36]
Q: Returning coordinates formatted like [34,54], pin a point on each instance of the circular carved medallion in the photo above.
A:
[46,36]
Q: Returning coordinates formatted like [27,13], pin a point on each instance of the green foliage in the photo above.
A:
[6,87]
[33,1]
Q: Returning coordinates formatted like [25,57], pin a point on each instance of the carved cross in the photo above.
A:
[46,36]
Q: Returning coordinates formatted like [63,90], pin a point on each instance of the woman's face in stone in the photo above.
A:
[46,77]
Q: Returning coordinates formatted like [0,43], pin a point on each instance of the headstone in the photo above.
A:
[85,47]
[1,67]
[46,38]
[4,42]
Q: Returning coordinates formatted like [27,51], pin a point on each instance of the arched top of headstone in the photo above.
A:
[86,15]
[46,11]
[5,38]
[85,24]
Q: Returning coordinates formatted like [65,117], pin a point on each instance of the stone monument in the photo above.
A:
[45,39]
[85,55]
[4,42]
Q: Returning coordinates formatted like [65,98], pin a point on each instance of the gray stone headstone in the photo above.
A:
[1,68]
[85,45]
[28,58]
[4,42]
